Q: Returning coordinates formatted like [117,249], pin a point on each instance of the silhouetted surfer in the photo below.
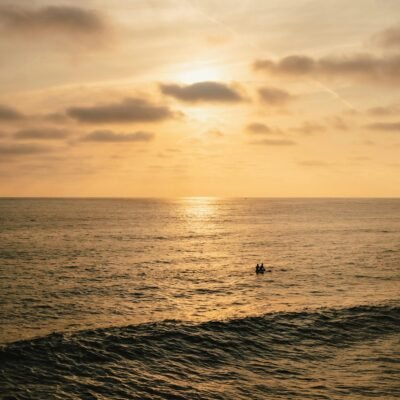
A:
[260,269]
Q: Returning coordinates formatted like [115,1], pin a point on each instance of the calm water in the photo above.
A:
[155,299]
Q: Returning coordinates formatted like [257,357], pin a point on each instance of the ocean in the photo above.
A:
[158,299]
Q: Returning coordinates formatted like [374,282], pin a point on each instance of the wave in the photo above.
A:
[174,359]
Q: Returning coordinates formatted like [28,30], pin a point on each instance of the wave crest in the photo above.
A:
[173,355]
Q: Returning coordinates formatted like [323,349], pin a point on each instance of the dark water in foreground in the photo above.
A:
[151,299]
[348,353]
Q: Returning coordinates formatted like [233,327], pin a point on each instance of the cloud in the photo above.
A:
[384,111]
[18,149]
[51,19]
[128,110]
[314,163]
[366,67]
[262,129]
[215,133]
[309,128]
[257,127]
[388,38]
[202,91]
[274,142]
[218,39]
[290,65]
[368,143]
[274,96]
[385,126]
[54,117]
[9,114]
[360,158]
[337,123]
[110,136]
[41,134]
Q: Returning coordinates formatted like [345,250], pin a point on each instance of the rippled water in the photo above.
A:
[107,275]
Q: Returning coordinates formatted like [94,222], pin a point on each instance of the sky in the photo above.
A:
[170,98]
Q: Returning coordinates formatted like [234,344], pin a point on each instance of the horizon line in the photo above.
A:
[193,197]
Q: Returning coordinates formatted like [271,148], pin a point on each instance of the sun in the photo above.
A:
[199,74]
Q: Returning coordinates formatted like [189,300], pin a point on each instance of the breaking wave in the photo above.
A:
[308,354]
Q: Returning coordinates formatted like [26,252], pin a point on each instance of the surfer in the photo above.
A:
[260,269]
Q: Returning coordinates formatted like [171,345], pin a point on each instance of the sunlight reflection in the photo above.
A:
[200,207]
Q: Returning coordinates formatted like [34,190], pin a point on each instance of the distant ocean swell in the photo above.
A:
[278,355]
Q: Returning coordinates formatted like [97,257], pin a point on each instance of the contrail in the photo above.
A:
[254,46]
[334,94]
[222,24]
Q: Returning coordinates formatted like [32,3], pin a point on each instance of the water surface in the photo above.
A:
[107,275]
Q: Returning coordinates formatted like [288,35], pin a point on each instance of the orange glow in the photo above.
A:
[194,100]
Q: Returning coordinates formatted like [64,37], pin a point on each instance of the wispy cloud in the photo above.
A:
[384,111]
[273,142]
[274,96]
[258,128]
[19,149]
[388,38]
[338,123]
[41,134]
[309,128]
[385,126]
[216,133]
[314,163]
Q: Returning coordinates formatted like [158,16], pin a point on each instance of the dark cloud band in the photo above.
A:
[110,136]
[9,114]
[367,67]
[202,91]
[129,110]
[67,19]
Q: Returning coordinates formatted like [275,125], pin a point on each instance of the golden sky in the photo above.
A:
[165,98]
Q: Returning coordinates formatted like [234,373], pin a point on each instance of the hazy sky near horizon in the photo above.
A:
[200,98]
